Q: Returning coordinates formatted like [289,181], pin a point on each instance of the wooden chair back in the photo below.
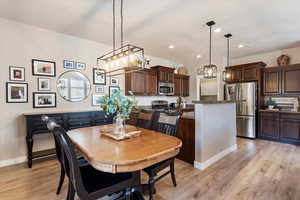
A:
[145,119]
[69,158]
[168,123]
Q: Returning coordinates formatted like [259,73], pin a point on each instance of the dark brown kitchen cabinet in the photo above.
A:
[151,82]
[185,86]
[282,81]
[177,85]
[181,85]
[251,73]
[290,127]
[186,133]
[141,83]
[269,125]
[244,73]
[280,126]
[135,82]
[165,74]
[236,75]
[291,80]
[272,81]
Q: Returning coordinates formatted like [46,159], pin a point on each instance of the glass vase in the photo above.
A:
[119,124]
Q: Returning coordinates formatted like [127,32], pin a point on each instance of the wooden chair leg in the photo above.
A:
[151,183]
[137,196]
[61,180]
[71,192]
[172,168]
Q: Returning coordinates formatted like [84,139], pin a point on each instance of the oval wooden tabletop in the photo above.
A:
[128,155]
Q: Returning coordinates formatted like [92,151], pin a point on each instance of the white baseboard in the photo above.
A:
[215,158]
[13,161]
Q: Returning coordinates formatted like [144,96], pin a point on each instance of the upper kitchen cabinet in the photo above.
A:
[236,74]
[141,83]
[244,73]
[272,81]
[181,85]
[151,82]
[291,80]
[165,74]
[282,81]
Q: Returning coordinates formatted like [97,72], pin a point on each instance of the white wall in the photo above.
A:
[19,44]
[195,81]
[270,58]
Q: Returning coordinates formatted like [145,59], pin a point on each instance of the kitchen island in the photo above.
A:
[215,131]
[207,131]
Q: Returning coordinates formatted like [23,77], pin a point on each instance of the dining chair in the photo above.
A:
[87,182]
[144,119]
[80,158]
[168,124]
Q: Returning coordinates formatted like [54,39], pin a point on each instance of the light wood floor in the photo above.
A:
[257,170]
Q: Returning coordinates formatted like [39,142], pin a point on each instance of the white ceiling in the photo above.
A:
[261,25]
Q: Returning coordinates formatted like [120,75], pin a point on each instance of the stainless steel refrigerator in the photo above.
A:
[246,96]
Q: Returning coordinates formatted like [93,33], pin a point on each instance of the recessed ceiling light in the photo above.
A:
[199,56]
[217,30]
[241,46]
[171,46]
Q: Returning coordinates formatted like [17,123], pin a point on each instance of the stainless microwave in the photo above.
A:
[166,89]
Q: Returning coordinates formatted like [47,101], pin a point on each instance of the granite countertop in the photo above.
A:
[213,102]
[188,115]
[280,111]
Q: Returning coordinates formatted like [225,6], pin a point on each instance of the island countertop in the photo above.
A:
[213,102]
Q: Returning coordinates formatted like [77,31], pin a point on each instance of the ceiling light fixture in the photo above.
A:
[210,70]
[217,30]
[126,59]
[171,46]
[241,46]
[199,56]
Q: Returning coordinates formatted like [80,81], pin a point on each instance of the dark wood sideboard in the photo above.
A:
[68,120]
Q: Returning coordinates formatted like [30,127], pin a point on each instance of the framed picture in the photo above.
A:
[44,100]
[43,68]
[112,89]
[16,73]
[114,81]
[68,64]
[96,99]
[44,84]
[80,66]
[99,76]
[16,92]
[100,89]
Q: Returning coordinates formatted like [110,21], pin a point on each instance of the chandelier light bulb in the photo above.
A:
[124,60]
[106,66]
[132,58]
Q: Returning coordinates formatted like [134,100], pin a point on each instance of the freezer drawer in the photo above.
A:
[246,126]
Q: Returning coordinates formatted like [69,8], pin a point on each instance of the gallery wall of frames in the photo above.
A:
[45,72]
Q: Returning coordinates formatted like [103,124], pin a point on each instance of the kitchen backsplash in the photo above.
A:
[285,103]
[146,101]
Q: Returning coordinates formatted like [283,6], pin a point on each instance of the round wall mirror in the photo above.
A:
[73,86]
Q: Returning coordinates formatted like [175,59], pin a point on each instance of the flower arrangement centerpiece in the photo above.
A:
[119,105]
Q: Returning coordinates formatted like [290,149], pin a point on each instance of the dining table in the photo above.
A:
[129,155]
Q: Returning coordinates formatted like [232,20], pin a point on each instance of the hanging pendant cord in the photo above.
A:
[114,26]
[228,51]
[209,45]
[122,24]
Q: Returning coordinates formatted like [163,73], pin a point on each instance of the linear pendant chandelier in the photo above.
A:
[126,59]
[210,70]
